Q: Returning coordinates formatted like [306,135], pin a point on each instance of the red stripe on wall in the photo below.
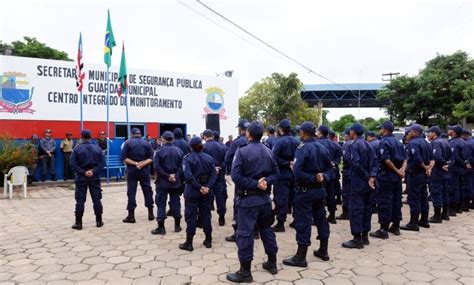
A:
[152,129]
[24,129]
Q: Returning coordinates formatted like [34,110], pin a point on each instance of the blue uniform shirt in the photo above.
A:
[183,145]
[441,154]
[217,150]
[199,170]
[47,145]
[390,149]
[270,141]
[136,149]
[458,159]
[346,157]
[470,142]
[284,149]
[312,158]
[229,156]
[362,164]
[168,160]
[87,156]
[419,151]
[335,150]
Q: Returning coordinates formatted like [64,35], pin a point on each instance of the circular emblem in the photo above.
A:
[215,101]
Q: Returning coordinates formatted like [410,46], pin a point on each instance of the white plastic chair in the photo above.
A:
[18,175]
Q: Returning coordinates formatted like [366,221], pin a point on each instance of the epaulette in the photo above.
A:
[301,145]
[186,155]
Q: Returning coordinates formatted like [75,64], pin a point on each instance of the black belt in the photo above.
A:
[252,192]
[306,187]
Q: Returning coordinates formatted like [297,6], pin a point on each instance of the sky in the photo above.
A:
[345,41]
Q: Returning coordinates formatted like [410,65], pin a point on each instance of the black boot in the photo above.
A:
[332,218]
[395,228]
[279,227]
[365,238]
[221,220]
[208,241]
[271,265]
[256,233]
[382,233]
[53,177]
[338,199]
[130,218]
[188,244]
[98,220]
[452,211]
[160,230]
[292,224]
[413,224]
[169,213]
[322,252]
[177,225]
[43,178]
[471,205]
[459,208]
[424,221]
[243,275]
[344,215]
[151,217]
[78,224]
[299,260]
[465,205]
[445,214]
[356,242]
[436,218]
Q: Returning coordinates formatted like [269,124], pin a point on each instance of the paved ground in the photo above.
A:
[37,246]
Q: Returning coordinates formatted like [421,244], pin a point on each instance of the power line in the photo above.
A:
[310,70]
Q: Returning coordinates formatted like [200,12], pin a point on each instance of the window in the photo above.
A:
[121,129]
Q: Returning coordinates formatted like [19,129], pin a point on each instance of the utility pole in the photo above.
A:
[391,74]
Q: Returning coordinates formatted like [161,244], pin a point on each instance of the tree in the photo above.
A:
[274,98]
[343,123]
[31,47]
[441,93]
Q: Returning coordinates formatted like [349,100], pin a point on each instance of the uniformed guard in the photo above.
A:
[346,165]
[337,181]
[284,148]
[467,176]
[418,166]
[137,154]
[200,175]
[167,163]
[459,163]
[362,178]
[271,137]
[254,171]
[313,168]
[374,142]
[241,140]
[335,152]
[47,148]
[217,150]
[87,160]
[439,164]
[180,142]
[392,165]
[470,142]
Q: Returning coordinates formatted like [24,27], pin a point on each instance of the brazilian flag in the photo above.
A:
[109,42]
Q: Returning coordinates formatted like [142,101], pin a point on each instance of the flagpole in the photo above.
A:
[108,127]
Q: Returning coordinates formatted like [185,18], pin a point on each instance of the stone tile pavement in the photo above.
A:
[37,246]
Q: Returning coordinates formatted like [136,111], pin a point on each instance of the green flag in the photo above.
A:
[122,77]
[109,42]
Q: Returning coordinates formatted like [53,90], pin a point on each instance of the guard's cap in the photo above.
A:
[86,134]
[195,141]
[308,127]
[285,123]
[243,124]
[208,133]
[387,125]
[435,129]
[357,128]
[456,128]
[255,129]
[136,131]
[416,128]
[168,135]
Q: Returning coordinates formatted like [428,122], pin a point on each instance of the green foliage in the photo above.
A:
[31,47]
[15,154]
[275,98]
[343,123]
[441,93]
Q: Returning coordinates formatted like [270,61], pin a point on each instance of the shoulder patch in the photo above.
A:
[186,155]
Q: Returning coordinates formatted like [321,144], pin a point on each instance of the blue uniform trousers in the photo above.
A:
[417,194]
[81,195]
[389,201]
[439,192]
[160,200]
[360,210]
[345,190]
[331,196]
[248,218]
[196,204]
[309,205]
[133,177]
[466,186]
[220,194]
[281,192]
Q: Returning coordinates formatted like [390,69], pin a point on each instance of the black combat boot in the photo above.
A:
[292,224]
[78,224]
[208,241]
[436,218]
[169,213]
[465,205]
[395,228]
[445,214]
[188,244]
[356,242]
[177,225]
[452,211]
[271,264]
[471,205]
[299,260]
[332,218]
[232,238]
[243,275]
[279,227]
[160,230]
[43,178]
[382,233]
[151,217]
[344,215]
[53,177]
[130,218]
[424,221]
[322,252]
[221,220]
[98,221]
[459,208]
[413,224]
[365,238]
